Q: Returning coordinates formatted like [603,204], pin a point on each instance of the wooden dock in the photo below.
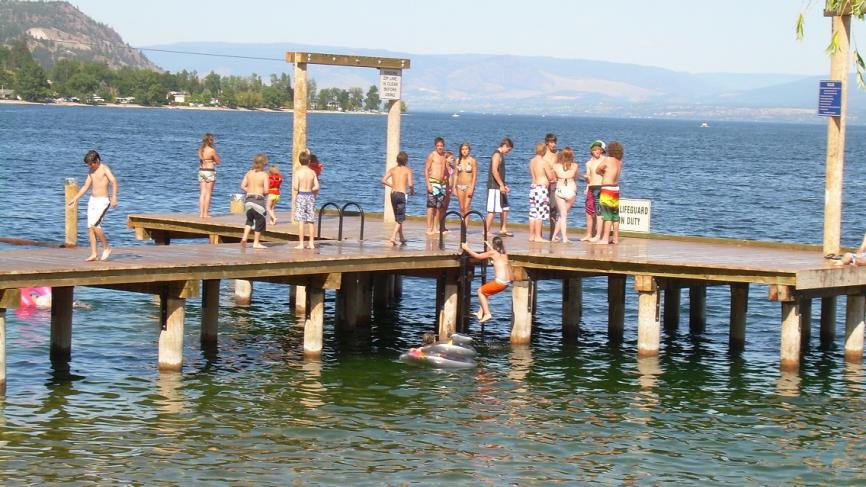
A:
[366,274]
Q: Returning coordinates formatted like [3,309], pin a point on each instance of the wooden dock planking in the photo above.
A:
[141,264]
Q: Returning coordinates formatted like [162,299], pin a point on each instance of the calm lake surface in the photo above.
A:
[257,412]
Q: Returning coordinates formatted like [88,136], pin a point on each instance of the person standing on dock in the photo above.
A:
[539,196]
[255,185]
[610,168]
[467,175]
[401,184]
[305,185]
[434,175]
[208,160]
[566,191]
[497,190]
[550,157]
[592,192]
[98,181]
[496,253]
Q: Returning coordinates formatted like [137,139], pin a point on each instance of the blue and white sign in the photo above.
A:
[830,98]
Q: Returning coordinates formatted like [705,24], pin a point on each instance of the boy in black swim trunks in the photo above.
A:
[400,177]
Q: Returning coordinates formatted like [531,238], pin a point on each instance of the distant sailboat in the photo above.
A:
[455,115]
[705,125]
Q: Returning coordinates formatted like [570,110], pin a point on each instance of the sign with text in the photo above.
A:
[634,215]
[389,83]
[830,98]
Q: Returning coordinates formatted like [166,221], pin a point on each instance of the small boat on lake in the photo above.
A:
[705,125]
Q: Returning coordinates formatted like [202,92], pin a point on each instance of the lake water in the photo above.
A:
[258,412]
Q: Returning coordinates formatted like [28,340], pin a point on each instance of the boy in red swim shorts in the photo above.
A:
[497,254]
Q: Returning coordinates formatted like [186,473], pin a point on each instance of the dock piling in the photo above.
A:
[171,332]
[790,342]
[805,323]
[671,307]
[739,310]
[572,308]
[854,315]
[697,309]
[616,307]
[61,324]
[300,300]
[210,308]
[648,326]
[70,189]
[314,322]
[448,313]
[828,321]
[243,292]
[521,330]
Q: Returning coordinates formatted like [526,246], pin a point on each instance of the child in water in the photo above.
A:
[275,179]
[497,254]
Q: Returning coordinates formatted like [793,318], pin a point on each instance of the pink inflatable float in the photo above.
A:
[38,297]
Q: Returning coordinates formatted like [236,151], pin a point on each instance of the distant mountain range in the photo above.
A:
[470,82]
[57,30]
[521,84]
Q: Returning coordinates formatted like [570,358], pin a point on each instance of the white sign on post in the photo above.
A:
[634,215]
[389,83]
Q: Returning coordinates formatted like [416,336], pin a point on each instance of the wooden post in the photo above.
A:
[615,307]
[382,291]
[828,321]
[854,315]
[697,309]
[2,352]
[521,330]
[313,324]
[839,61]
[210,310]
[61,324]
[398,287]
[805,323]
[171,332]
[392,147]
[572,307]
[648,327]
[299,122]
[70,189]
[243,292]
[790,342]
[448,314]
[353,308]
[739,310]
[300,300]
[672,308]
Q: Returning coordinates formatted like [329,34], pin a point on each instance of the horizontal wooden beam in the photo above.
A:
[346,60]
[319,281]
[10,298]
[174,289]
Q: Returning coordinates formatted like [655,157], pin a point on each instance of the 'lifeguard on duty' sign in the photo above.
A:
[830,98]
[634,215]
[389,83]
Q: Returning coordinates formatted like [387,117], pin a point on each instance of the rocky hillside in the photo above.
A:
[58,30]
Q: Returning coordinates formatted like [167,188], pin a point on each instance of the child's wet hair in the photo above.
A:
[498,245]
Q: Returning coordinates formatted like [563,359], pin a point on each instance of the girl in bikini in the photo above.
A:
[467,174]
[566,190]
[208,160]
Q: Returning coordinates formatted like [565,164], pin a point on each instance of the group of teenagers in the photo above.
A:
[552,172]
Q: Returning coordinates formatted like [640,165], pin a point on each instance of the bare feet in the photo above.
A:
[403,242]
[531,238]
[300,245]
[273,221]
[258,246]
[541,240]
[594,239]
[91,258]
[484,318]
[106,252]
[392,243]
[599,242]
[430,232]
[478,314]
[310,246]
[243,244]
[565,240]
[586,238]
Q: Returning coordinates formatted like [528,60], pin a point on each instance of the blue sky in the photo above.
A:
[733,36]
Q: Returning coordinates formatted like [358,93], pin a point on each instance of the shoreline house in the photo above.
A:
[176,96]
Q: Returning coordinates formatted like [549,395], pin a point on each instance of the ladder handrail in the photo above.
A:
[343,213]
[322,212]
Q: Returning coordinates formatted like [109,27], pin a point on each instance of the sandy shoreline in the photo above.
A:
[166,107]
